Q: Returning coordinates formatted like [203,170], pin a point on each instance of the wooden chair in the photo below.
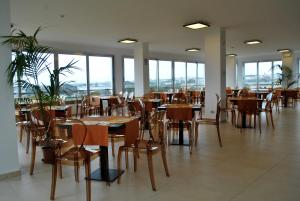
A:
[184,115]
[23,121]
[209,121]
[267,109]
[74,152]
[154,144]
[249,108]
[179,98]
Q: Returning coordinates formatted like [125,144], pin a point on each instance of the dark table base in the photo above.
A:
[113,174]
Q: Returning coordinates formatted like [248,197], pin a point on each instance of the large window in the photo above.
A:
[261,75]
[101,75]
[191,76]
[201,75]
[165,75]
[76,83]
[128,74]
[179,75]
[153,75]
[44,78]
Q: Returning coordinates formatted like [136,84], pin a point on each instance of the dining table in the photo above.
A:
[193,107]
[235,100]
[116,125]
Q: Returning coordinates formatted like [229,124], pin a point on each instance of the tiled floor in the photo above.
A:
[250,167]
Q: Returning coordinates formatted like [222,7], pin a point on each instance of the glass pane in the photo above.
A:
[201,75]
[179,75]
[129,74]
[250,75]
[78,86]
[165,75]
[191,75]
[101,71]
[265,75]
[276,73]
[153,75]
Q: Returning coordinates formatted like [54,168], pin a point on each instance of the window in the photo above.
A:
[265,75]
[165,75]
[261,75]
[201,75]
[76,84]
[153,76]
[179,75]
[100,75]
[43,77]
[191,76]
[128,74]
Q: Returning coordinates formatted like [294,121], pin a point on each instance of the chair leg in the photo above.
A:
[135,155]
[112,146]
[196,134]
[259,123]
[27,140]
[271,116]
[60,170]
[163,155]
[21,133]
[53,182]
[150,166]
[219,136]
[126,158]
[119,163]
[87,165]
[33,152]
[76,171]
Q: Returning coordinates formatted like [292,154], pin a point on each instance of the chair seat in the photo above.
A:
[206,121]
[144,144]
[25,123]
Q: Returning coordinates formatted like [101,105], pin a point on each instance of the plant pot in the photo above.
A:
[49,154]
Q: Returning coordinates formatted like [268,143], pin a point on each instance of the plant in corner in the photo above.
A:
[285,78]
[31,60]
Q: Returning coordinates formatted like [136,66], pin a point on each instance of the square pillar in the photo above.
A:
[141,69]
[215,70]
[231,71]
[8,135]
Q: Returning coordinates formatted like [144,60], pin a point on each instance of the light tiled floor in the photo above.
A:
[250,167]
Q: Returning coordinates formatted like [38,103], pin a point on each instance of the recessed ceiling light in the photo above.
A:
[193,50]
[128,41]
[196,25]
[253,42]
[231,55]
[283,50]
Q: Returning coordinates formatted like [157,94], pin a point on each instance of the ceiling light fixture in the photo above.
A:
[283,50]
[253,42]
[231,55]
[192,50]
[128,41]
[196,25]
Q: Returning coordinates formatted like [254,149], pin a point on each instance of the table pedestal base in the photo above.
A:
[113,174]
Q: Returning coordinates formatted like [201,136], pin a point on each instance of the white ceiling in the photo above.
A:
[159,22]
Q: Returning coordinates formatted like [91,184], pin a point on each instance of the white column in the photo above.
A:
[141,69]
[215,69]
[231,71]
[8,134]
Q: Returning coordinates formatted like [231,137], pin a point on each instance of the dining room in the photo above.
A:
[139,100]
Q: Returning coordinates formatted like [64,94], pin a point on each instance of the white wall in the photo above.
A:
[8,138]
[231,71]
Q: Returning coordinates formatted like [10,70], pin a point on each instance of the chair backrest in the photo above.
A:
[180,113]
[156,127]
[89,134]
[247,106]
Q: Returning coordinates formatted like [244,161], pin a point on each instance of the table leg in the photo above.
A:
[181,132]
[244,117]
[104,173]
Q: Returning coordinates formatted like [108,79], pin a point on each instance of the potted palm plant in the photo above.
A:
[31,60]
[285,78]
